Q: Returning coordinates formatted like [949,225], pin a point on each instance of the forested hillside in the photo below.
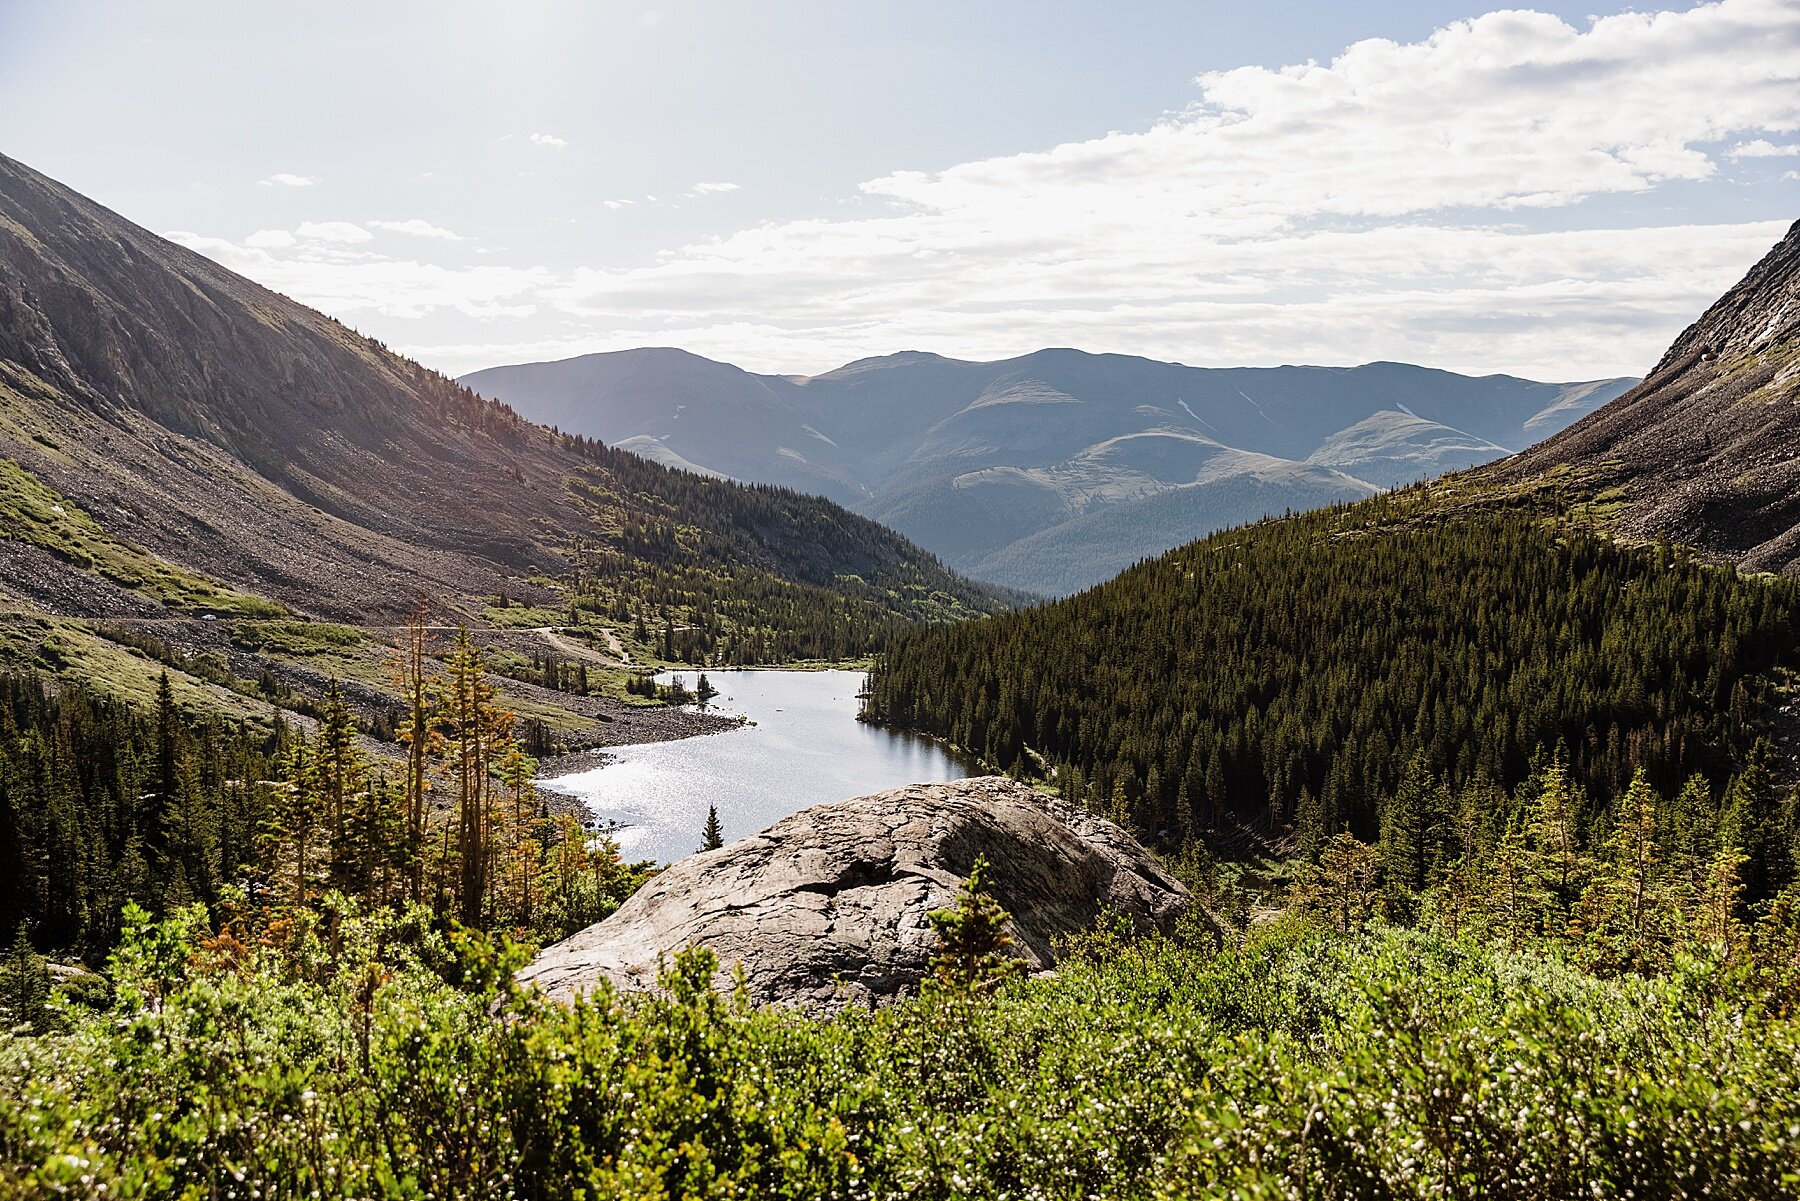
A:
[1287,674]
[104,805]
[1281,682]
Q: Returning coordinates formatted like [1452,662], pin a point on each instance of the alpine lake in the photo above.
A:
[802,745]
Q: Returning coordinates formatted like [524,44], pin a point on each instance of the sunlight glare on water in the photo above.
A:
[805,748]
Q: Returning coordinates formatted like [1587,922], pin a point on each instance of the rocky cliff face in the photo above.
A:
[1707,448]
[828,907]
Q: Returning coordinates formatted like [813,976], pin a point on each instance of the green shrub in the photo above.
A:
[354,1055]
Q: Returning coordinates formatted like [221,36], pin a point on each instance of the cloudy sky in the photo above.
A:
[791,185]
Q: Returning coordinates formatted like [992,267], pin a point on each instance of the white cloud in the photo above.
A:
[1510,110]
[342,232]
[347,283]
[1440,202]
[548,139]
[270,239]
[1368,207]
[415,227]
[616,205]
[707,189]
[1763,148]
[1571,304]
[287,180]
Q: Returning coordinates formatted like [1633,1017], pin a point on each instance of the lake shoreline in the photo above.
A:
[800,742]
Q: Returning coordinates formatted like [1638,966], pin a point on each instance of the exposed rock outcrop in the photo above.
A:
[828,907]
[1703,449]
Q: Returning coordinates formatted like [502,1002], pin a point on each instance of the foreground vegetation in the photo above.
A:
[354,1055]
[1539,936]
[1550,1016]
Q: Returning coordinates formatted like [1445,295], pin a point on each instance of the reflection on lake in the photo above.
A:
[806,747]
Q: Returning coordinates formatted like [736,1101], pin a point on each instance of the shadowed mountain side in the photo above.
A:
[229,430]
[1056,561]
[971,458]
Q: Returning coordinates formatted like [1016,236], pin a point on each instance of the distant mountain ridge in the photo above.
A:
[1278,683]
[1052,471]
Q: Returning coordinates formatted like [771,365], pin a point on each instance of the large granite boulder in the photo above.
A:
[827,907]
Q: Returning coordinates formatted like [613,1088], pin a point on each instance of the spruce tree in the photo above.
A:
[1624,912]
[418,733]
[24,986]
[974,955]
[516,771]
[1556,841]
[713,836]
[338,762]
[1341,885]
[478,732]
[1758,822]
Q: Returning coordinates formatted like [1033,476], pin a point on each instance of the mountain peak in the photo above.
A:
[218,428]
[1761,310]
[1703,448]
[1053,470]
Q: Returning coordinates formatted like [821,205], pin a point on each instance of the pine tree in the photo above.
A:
[974,955]
[418,733]
[713,836]
[517,769]
[338,764]
[24,986]
[1555,838]
[1341,885]
[1404,820]
[296,816]
[1624,911]
[1756,820]
[478,733]
[1715,921]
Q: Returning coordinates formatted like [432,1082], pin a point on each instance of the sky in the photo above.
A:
[790,185]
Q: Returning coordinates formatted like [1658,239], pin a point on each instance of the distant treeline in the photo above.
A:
[714,572]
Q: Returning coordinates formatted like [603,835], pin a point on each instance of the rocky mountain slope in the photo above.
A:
[1052,471]
[829,906]
[1706,451]
[180,445]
